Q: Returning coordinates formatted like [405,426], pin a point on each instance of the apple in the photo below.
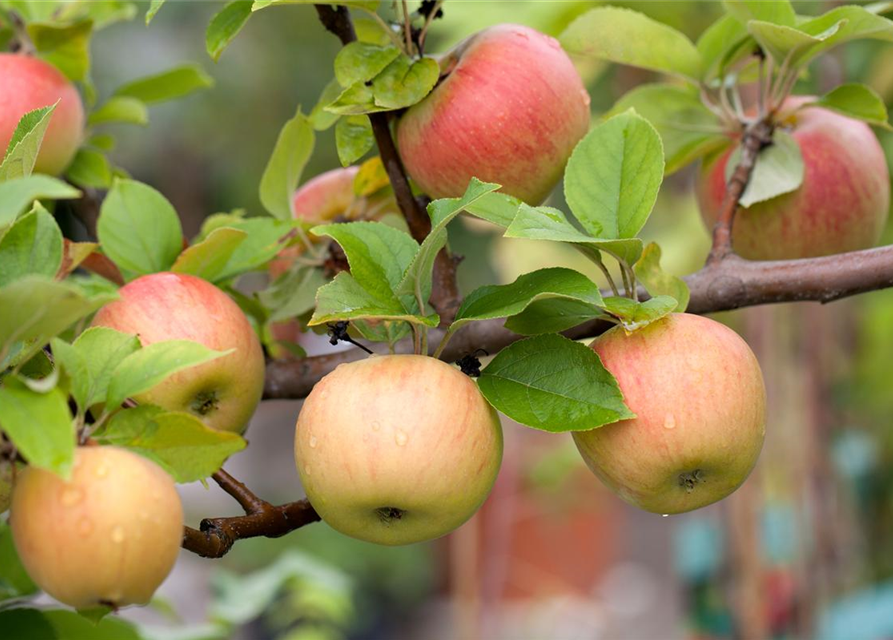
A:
[509,108]
[700,404]
[170,306]
[108,536]
[397,449]
[27,84]
[841,205]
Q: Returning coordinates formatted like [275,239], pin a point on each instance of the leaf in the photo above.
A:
[146,368]
[497,208]
[502,301]
[182,444]
[657,281]
[61,624]
[551,383]
[353,138]
[319,117]
[847,23]
[23,147]
[39,425]
[138,228]
[357,99]
[613,176]
[775,11]
[788,43]
[90,168]
[293,293]
[73,254]
[154,7]
[550,315]
[18,193]
[635,315]
[629,37]
[14,579]
[120,109]
[265,238]
[209,258]
[36,309]
[688,130]
[405,82]
[92,359]
[361,62]
[67,358]
[778,170]
[225,26]
[33,245]
[344,299]
[371,178]
[283,172]
[854,101]
[67,47]
[168,85]
[716,43]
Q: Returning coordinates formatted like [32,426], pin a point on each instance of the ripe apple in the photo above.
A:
[700,404]
[109,536]
[509,108]
[841,205]
[397,449]
[28,84]
[170,306]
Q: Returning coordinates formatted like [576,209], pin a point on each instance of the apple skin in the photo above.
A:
[397,449]
[224,392]
[841,206]
[28,84]
[509,111]
[700,404]
[108,536]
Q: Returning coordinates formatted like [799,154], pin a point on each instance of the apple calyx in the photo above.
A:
[387,515]
[205,402]
[690,479]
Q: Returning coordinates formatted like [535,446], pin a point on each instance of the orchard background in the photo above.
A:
[801,550]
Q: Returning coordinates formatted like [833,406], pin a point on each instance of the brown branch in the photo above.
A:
[216,536]
[756,136]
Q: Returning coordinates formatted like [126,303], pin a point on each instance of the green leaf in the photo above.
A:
[789,43]
[687,128]
[497,208]
[613,176]
[265,238]
[146,368]
[90,168]
[405,82]
[551,383]
[154,7]
[33,245]
[35,309]
[138,228]
[293,293]
[357,99]
[168,85]
[635,315]
[66,47]
[344,299]
[70,360]
[361,62]
[182,444]
[39,425]
[18,194]
[657,281]
[855,101]
[778,170]
[502,301]
[14,580]
[226,25]
[320,118]
[718,41]
[846,23]
[120,109]
[92,359]
[21,153]
[551,315]
[353,138]
[283,172]
[60,624]
[209,258]
[775,11]
[629,37]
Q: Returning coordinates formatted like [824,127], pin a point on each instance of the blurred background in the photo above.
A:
[803,550]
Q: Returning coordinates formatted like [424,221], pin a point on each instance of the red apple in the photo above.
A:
[841,205]
[109,536]
[700,404]
[169,306]
[397,449]
[27,83]
[509,110]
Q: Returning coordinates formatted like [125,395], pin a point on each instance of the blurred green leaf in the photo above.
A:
[39,425]
[168,85]
[18,193]
[90,168]
[21,153]
[554,384]
[293,293]
[283,172]
[225,26]
[265,238]
[14,580]
[855,101]
[353,138]
[138,228]
[778,170]
[717,41]
[66,47]
[551,315]
[154,7]
[32,246]
[60,624]
[120,109]
[657,281]
[775,11]
[634,315]
[319,117]
[208,258]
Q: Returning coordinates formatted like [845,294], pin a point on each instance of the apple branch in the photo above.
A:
[216,536]
[445,296]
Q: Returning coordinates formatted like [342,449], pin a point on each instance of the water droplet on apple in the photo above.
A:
[117,534]
[376,426]
[85,526]
[400,437]
[313,442]
[670,421]
[664,515]
[306,470]
[71,496]
[586,98]
[102,471]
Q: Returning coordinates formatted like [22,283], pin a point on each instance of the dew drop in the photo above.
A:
[586,98]
[313,442]
[85,526]
[306,471]
[376,426]
[71,496]
[664,515]
[670,421]
[118,534]
[400,437]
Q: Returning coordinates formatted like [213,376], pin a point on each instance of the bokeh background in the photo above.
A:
[803,550]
